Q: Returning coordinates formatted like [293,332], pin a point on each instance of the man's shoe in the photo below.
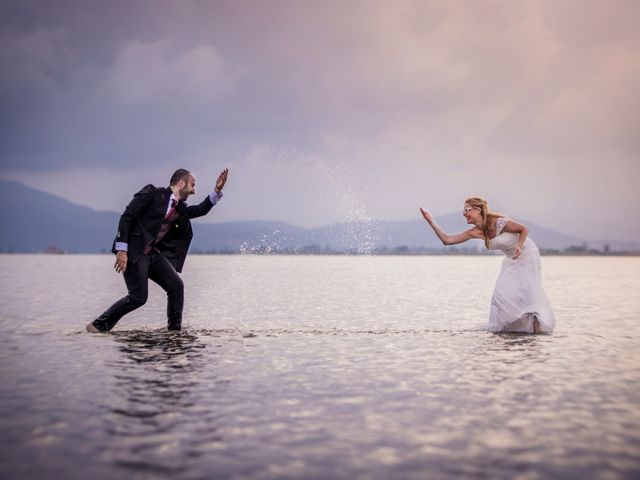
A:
[174,322]
[91,328]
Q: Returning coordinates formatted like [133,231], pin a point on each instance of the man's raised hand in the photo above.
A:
[222,179]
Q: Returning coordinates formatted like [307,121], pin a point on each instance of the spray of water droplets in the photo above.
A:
[356,229]
[266,244]
[329,189]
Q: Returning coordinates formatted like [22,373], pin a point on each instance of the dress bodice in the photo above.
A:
[506,242]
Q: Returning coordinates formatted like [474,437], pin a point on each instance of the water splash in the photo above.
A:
[330,194]
[357,231]
[266,244]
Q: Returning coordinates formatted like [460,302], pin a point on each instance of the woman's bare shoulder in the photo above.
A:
[475,232]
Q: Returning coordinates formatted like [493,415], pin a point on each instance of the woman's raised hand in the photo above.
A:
[426,216]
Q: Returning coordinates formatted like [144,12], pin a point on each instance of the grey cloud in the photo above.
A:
[467,90]
[152,72]
[138,81]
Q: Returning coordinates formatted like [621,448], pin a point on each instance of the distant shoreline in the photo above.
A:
[544,253]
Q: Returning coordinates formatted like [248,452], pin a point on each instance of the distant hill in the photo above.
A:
[39,221]
[35,220]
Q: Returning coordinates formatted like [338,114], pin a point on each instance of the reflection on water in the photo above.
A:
[321,368]
[156,372]
[157,423]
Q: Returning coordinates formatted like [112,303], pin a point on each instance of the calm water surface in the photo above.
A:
[318,367]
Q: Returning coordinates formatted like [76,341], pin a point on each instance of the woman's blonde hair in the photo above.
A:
[482,205]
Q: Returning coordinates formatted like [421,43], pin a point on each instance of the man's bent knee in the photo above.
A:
[176,287]
[137,300]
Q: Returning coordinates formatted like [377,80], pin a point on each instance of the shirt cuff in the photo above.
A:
[215,196]
[122,247]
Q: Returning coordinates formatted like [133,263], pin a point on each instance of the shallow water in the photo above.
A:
[319,367]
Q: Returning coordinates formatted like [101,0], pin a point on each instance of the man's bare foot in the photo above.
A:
[91,328]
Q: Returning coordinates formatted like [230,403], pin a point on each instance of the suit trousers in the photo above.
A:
[152,266]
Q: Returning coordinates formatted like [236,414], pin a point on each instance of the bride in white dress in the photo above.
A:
[518,304]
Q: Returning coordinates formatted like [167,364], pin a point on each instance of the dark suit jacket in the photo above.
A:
[141,221]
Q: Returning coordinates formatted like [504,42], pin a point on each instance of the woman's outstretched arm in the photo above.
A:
[449,239]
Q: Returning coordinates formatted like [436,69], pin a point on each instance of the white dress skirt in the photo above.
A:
[518,298]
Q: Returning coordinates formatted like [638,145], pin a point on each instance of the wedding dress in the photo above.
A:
[518,297]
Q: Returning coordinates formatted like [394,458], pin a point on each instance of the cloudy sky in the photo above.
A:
[330,111]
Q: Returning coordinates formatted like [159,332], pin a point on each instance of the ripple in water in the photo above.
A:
[332,367]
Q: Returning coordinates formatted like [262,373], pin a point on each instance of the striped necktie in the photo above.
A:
[174,204]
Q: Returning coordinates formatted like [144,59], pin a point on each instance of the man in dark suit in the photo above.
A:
[153,238]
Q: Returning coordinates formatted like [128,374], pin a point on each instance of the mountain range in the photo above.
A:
[41,221]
